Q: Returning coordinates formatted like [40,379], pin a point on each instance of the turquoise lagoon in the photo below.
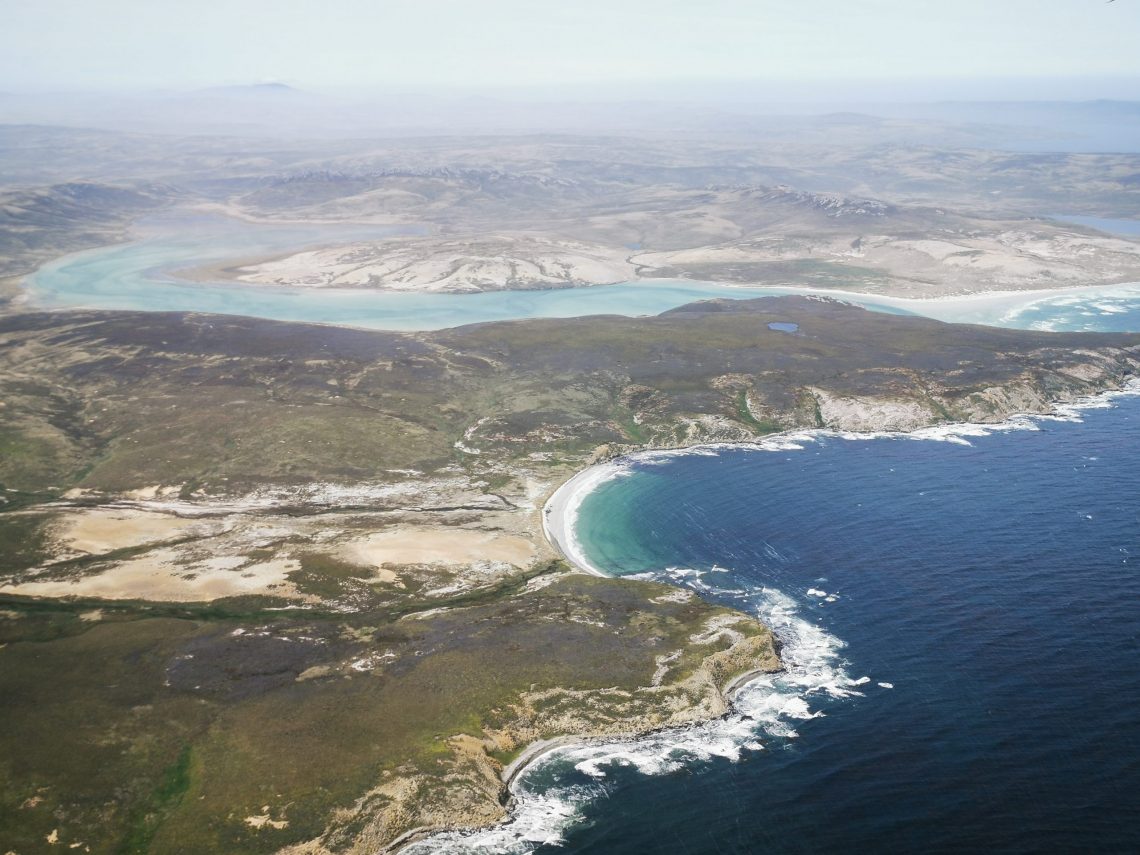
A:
[140,276]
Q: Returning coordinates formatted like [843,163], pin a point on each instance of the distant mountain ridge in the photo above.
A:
[251,89]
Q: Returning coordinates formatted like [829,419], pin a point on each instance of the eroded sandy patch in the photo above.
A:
[455,546]
[102,530]
[158,576]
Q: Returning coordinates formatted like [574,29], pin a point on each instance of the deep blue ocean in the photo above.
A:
[961,625]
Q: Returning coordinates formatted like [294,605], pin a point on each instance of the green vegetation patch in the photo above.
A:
[88,732]
[182,400]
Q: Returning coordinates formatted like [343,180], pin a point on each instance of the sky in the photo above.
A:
[186,44]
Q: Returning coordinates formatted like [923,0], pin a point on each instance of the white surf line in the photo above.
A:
[560,513]
[768,706]
[942,307]
[561,510]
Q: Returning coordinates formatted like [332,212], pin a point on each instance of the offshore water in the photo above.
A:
[1110,225]
[995,587]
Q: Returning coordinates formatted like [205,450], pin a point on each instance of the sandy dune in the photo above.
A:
[493,262]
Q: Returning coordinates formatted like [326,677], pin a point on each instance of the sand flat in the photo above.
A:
[158,577]
[100,530]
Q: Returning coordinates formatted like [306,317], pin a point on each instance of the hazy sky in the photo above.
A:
[147,44]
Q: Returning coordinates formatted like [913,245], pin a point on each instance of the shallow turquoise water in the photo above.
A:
[136,276]
[1114,309]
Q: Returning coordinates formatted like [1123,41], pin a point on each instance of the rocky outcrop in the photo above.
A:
[866,414]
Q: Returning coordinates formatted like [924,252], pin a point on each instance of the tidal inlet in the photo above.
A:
[488,428]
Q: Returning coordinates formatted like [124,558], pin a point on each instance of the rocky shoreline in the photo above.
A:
[744,661]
